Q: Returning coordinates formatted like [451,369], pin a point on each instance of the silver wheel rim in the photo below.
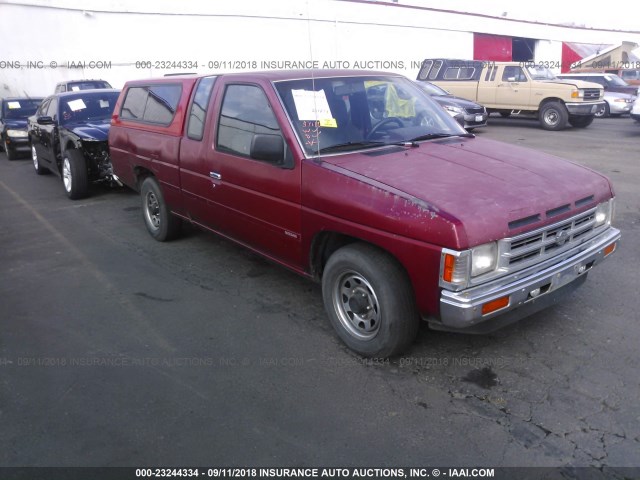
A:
[34,157]
[152,210]
[600,112]
[356,304]
[66,174]
[551,117]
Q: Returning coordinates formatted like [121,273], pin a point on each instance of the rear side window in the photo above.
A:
[245,112]
[459,73]
[199,107]
[151,104]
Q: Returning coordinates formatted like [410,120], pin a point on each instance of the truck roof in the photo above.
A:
[269,75]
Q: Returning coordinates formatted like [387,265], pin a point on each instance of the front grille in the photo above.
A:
[591,93]
[536,246]
[475,110]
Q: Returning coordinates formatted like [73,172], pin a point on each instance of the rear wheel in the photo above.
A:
[75,176]
[40,170]
[369,300]
[553,116]
[161,224]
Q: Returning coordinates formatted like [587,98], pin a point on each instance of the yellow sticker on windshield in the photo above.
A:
[13,105]
[329,122]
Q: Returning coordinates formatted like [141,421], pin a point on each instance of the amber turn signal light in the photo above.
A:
[494,305]
[449,265]
[609,249]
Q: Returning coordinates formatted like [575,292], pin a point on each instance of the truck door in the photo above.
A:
[487,85]
[258,181]
[514,89]
[200,192]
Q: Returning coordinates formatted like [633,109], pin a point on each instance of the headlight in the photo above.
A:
[17,133]
[453,108]
[604,213]
[577,93]
[484,258]
[456,268]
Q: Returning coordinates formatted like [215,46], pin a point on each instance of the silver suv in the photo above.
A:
[73,85]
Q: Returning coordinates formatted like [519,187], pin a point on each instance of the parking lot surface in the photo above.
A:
[116,350]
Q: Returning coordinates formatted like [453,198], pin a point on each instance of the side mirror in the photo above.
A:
[269,148]
[44,120]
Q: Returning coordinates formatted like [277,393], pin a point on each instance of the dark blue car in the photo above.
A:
[13,124]
[69,135]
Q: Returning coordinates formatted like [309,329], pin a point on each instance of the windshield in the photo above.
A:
[431,89]
[20,109]
[538,72]
[90,106]
[616,81]
[87,85]
[351,113]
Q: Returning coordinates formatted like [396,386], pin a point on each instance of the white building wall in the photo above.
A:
[241,34]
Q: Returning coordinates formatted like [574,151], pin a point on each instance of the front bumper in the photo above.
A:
[474,120]
[463,310]
[619,108]
[584,108]
[18,145]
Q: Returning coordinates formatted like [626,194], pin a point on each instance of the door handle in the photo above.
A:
[215,175]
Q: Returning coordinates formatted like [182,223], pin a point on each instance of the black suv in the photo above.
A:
[468,114]
[68,136]
[13,124]
[75,85]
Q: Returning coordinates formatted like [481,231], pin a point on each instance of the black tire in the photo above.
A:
[553,116]
[581,122]
[75,176]
[11,155]
[369,300]
[505,114]
[40,170]
[603,111]
[161,223]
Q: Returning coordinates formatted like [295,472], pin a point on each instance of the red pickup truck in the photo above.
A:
[360,181]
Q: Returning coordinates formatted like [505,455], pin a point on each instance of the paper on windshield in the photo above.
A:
[75,88]
[13,105]
[104,103]
[76,105]
[312,105]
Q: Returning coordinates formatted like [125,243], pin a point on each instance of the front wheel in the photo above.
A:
[11,155]
[553,116]
[581,122]
[161,224]
[75,176]
[603,111]
[369,300]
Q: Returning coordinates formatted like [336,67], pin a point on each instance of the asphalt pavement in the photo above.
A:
[116,350]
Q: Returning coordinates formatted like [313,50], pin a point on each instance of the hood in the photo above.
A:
[574,82]
[20,124]
[482,185]
[98,130]
[457,101]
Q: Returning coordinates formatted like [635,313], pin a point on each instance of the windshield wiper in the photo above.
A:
[430,136]
[340,146]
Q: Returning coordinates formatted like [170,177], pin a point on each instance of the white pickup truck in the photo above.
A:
[514,88]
